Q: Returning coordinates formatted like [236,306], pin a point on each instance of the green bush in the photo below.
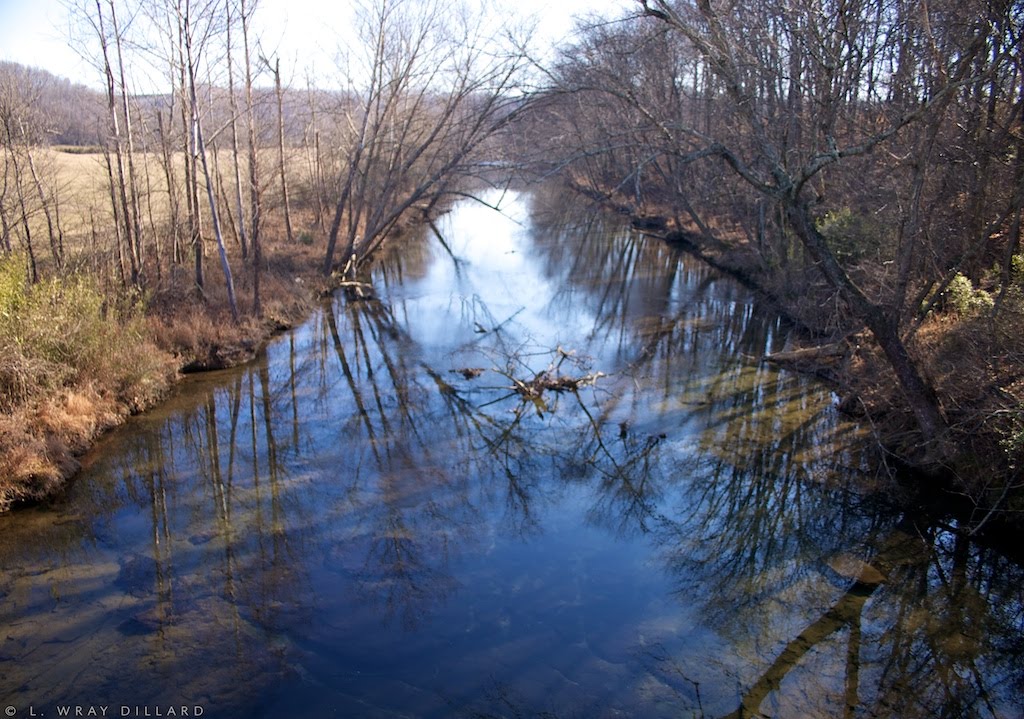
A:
[853,237]
[57,334]
[1017,269]
[962,298]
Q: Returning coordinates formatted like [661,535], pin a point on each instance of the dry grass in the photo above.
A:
[58,395]
[977,364]
[39,443]
[79,180]
[49,416]
[73,366]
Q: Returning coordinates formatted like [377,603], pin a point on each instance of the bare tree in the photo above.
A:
[429,93]
[25,194]
[124,208]
[197,23]
[243,240]
[750,120]
[314,160]
[281,162]
[138,248]
[245,11]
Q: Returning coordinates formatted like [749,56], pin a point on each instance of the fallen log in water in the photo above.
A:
[822,353]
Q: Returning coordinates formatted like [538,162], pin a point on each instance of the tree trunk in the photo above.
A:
[200,147]
[254,189]
[33,269]
[280,148]
[118,240]
[225,266]
[172,189]
[918,394]
[115,135]
[44,203]
[242,239]
[138,248]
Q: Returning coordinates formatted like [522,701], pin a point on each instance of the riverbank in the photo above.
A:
[113,362]
[131,355]
[972,357]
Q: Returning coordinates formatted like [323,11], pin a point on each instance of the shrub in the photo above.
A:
[1017,269]
[851,236]
[962,298]
[69,368]
[58,333]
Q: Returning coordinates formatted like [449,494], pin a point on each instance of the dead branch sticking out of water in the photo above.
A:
[552,379]
[355,291]
[549,381]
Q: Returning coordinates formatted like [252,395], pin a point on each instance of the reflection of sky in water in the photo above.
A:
[348,526]
[490,280]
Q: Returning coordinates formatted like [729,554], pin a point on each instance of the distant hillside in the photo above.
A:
[66,113]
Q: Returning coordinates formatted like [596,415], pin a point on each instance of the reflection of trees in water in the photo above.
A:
[195,509]
[355,457]
[772,492]
[940,636]
[409,507]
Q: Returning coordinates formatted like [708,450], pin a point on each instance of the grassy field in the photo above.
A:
[79,351]
[77,177]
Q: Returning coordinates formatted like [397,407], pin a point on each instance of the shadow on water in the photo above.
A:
[546,477]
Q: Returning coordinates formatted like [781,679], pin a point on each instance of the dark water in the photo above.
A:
[390,515]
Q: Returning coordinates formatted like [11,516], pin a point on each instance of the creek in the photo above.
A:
[544,475]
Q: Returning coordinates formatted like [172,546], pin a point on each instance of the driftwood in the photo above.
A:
[821,354]
[356,290]
[549,381]
[469,372]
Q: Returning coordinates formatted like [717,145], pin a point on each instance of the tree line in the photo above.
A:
[858,160]
[236,135]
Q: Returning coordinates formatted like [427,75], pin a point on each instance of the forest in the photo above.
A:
[858,163]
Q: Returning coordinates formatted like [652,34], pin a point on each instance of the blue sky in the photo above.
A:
[37,32]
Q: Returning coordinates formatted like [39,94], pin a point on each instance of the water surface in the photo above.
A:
[545,476]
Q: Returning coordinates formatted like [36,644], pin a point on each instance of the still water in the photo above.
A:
[544,476]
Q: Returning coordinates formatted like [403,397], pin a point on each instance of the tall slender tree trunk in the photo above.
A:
[158,249]
[33,270]
[5,229]
[280,148]
[225,265]
[222,192]
[121,192]
[44,203]
[242,239]
[133,186]
[5,222]
[172,189]
[319,180]
[191,153]
[254,189]
[118,240]
[200,147]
